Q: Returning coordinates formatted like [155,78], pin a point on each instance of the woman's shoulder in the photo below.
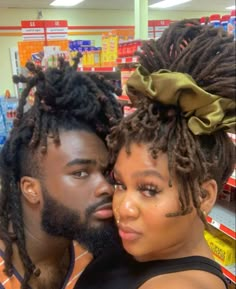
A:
[185,280]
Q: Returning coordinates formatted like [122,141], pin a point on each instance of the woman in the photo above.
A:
[173,154]
[172,157]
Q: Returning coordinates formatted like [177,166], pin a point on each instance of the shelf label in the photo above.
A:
[215,224]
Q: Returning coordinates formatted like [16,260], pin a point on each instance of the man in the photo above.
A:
[53,183]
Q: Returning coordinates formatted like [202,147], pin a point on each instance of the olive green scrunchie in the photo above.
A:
[206,113]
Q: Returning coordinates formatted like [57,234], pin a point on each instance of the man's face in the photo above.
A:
[77,197]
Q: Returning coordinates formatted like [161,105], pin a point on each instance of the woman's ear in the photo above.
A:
[31,189]
[209,195]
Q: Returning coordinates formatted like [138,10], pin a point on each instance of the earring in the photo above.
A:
[204,213]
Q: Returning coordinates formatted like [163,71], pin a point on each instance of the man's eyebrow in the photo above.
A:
[81,162]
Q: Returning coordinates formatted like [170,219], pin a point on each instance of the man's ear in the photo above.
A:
[209,195]
[31,189]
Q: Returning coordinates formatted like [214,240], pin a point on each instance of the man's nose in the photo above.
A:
[104,188]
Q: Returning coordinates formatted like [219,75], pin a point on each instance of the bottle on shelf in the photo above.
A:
[215,20]
[232,23]
[225,21]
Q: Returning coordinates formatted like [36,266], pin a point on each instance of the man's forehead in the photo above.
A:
[79,145]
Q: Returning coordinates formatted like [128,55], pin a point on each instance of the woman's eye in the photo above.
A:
[119,187]
[80,174]
[148,191]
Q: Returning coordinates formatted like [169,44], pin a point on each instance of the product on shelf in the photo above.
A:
[224,21]
[222,247]
[7,114]
[228,22]
[128,48]
[232,23]
[215,20]
[110,42]
[228,194]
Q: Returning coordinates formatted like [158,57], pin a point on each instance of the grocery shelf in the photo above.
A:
[127,60]
[230,272]
[232,179]
[97,69]
[222,217]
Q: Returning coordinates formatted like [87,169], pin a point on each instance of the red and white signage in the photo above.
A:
[33,30]
[56,29]
[44,30]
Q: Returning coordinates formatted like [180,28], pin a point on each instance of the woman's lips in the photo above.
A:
[128,234]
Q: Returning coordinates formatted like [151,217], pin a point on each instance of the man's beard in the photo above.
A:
[58,220]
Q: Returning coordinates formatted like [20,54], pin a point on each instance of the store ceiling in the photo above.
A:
[195,5]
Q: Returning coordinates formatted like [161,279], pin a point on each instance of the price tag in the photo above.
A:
[215,224]
[123,60]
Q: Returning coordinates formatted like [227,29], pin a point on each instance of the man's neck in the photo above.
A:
[42,247]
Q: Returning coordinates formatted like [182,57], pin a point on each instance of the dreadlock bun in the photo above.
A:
[204,52]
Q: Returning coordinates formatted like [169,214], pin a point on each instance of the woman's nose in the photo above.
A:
[128,208]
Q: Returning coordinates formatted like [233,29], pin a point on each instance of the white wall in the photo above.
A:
[75,17]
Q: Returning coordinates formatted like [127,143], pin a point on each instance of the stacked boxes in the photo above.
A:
[110,42]
[91,54]
[222,247]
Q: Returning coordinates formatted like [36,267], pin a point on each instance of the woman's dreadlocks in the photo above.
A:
[64,99]
[208,55]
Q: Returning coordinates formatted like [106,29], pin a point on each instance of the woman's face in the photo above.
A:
[141,202]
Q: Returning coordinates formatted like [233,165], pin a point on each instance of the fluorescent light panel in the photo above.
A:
[65,3]
[231,7]
[168,3]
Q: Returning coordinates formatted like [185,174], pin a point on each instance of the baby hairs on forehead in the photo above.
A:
[64,100]
[208,55]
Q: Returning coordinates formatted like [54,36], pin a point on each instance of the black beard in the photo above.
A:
[58,220]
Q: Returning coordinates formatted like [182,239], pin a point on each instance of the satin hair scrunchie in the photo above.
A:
[206,112]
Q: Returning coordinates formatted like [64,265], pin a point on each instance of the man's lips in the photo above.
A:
[128,233]
[104,211]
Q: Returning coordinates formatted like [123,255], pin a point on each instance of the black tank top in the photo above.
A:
[118,270]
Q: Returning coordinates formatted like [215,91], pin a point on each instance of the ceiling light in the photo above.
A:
[168,3]
[65,3]
[231,7]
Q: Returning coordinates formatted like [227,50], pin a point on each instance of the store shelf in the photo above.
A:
[127,60]
[230,272]
[222,217]
[232,179]
[97,69]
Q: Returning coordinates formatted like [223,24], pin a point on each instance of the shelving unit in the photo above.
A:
[222,217]
[127,60]
[230,272]
[97,69]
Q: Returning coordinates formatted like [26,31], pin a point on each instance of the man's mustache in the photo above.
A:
[91,209]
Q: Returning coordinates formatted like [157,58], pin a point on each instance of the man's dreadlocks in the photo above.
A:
[208,55]
[64,100]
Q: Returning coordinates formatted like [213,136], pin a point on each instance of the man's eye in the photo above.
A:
[80,174]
